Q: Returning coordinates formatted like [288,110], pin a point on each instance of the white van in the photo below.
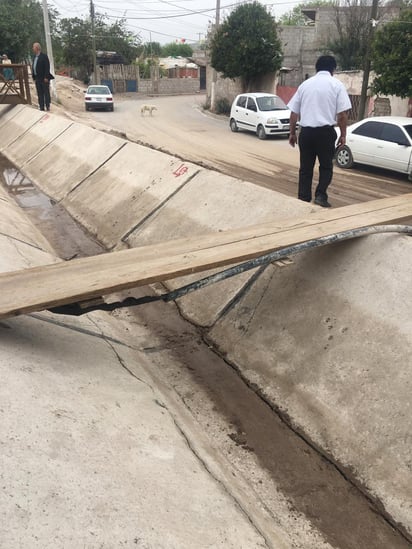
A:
[262,113]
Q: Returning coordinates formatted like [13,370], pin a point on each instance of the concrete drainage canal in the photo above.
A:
[301,487]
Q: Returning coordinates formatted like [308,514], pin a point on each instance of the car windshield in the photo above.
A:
[99,90]
[408,130]
[270,103]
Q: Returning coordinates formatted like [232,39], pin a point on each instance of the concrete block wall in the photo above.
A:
[300,51]
[226,88]
[169,86]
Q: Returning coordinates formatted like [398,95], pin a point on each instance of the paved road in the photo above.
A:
[179,126]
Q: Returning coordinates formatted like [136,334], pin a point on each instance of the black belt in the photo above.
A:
[316,127]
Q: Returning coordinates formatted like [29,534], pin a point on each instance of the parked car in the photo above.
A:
[98,97]
[381,141]
[262,113]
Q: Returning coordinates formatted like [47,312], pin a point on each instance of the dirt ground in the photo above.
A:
[314,499]
[70,94]
[180,127]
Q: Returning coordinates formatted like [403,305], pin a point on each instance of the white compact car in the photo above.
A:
[380,141]
[98,97]
[262,113]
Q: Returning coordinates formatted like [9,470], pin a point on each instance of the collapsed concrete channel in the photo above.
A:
[326,338]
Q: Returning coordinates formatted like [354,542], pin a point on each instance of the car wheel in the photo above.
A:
[344,158]
[260,132]
[112,108]
[233,125]
[86,107]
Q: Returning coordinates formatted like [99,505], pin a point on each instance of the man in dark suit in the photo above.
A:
[42,76]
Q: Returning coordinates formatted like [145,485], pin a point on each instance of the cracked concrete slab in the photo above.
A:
[93,457]
[95,453]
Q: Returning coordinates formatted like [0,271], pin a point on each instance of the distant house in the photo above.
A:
[109,58]
[301,46]
[179,67]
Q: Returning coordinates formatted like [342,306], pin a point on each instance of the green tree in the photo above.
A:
[152,49]
[176,50]
[352,21]
[392,56]
[21,24]
[149,49]
[116,37]
[145,67]
[246,45]
[76,42]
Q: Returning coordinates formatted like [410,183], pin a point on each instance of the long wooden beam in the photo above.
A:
[82,279]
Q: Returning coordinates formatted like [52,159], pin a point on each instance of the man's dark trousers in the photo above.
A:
[320,143]
[43,93]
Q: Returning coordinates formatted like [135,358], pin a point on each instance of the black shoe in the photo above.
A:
[322,202]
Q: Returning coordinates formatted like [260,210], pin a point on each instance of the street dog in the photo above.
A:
[147,108]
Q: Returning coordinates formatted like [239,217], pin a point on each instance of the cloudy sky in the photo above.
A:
[160,20]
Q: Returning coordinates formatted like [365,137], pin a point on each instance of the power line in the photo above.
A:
[178,15]
[185,13]
[154,10]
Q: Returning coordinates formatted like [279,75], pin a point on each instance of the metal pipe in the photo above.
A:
[77,309]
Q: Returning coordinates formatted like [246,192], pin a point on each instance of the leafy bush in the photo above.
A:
[246,44]
[222,106]
[206,104]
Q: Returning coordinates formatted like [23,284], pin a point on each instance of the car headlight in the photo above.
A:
[273,121]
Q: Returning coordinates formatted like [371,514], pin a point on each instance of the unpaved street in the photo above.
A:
[182,128]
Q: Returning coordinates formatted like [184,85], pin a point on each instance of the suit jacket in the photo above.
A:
[42,67]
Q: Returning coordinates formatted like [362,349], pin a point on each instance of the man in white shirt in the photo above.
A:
[319,103]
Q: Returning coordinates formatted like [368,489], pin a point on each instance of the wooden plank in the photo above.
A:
[82,279]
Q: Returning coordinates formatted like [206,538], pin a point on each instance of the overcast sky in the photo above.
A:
[160,20]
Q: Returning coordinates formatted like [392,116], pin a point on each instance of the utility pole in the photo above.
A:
[367,64]
[96,79]
[214,73]
[49,47]
[152,71]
